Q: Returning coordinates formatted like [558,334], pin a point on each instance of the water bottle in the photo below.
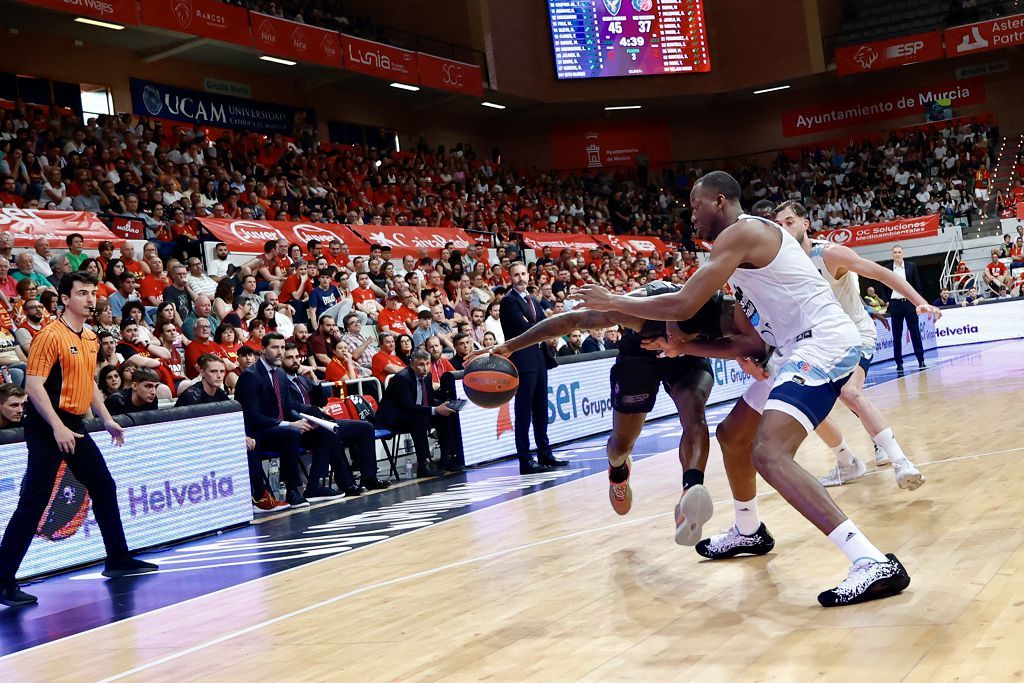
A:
[408,468]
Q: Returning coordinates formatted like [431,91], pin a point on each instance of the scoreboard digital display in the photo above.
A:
[604,38]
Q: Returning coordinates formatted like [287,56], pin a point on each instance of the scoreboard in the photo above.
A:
[602,38]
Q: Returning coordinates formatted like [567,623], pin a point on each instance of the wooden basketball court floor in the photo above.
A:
[555,587]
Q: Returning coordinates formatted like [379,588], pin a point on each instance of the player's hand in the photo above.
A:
[665,347]
[595,297]
[932,312]
[65,439]
[116,432]
[753,368]
[443,410]
[250,443]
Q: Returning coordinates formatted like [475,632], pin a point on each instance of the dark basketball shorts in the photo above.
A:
[635,379]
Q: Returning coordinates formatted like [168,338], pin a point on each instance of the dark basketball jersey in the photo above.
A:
[706,322]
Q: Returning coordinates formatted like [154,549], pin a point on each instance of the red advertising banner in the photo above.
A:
[411,241]
[877,233]
[559,240]
[885,54]
[204,18]
[379,60]
[447,74]
[638,244]
[28,225]
[985,35]
[890,105]
[1020,211]
[300,42]
[117,11]
[609,145]
[128,228]
[248,237]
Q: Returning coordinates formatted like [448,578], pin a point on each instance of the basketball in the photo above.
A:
[490,381]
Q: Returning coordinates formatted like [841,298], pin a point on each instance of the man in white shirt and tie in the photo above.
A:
[904,312]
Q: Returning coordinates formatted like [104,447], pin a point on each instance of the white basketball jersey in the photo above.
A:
[788,298]
[847,291]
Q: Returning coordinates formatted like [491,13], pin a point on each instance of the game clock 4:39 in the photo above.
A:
[604,38]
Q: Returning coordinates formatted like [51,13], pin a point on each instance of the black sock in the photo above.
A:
[692,478]
[619,474]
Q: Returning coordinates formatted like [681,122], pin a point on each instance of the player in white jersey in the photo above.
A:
[840,267]
[817,349]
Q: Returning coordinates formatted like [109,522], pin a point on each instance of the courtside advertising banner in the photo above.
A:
[28,225]
[886,54]
[299,42]
[411,241]
[116,11]
[249,237]
[448,74]
[879,233]
[891,105]
[167,490]
[380,60]
[559,240]
[203,108]
[638,244]
[579,405]
[203,18]
[982,323]
[983,36]
[884,348]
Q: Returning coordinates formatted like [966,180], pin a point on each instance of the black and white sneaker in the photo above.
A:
[868,581]
[733,543]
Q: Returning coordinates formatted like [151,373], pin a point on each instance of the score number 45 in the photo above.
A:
[616,26]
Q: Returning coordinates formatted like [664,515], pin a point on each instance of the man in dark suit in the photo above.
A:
[594,342]
[410,405]
[519,312]
[266,404]
[904,312]
[308,398]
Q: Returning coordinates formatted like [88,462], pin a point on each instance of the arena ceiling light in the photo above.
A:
[492,105]
[101,24]
[775,89]
[405,86]
[623,107]
[277,60]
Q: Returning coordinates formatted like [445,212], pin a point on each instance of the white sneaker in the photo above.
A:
[693,511]
[881,457]
[907,475]
[844,474]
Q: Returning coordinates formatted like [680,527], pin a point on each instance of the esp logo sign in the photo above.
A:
[907,50]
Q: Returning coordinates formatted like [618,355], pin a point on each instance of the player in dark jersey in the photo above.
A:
[638,371]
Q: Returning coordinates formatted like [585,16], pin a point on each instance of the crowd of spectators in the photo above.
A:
[946,172]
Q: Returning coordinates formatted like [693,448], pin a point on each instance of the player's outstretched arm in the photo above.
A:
[558,326]
[726,256]
[837,257]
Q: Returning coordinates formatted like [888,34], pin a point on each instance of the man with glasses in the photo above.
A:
[33,324]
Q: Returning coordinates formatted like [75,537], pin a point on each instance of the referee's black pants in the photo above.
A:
[44,459]
[902,311]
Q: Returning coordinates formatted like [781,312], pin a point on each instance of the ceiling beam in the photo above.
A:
[177,50]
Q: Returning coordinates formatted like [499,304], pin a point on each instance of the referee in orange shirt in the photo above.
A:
[60,386]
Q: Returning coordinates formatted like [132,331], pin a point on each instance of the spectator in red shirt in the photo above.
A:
[395,317]
[364,297]
[9,197]
[323,340]
[203,343]
[1017,254]
[438,363]
[296,289]
[152,287]
[385,362]
[313,251]
[268,268]
[341,368]
[257,328]
[996,273]
[142,354]
[337,254]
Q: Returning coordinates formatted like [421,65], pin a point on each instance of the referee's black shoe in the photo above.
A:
[127,567]
[12,596]
[552,461]
[532,467]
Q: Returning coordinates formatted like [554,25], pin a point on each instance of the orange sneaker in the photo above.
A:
[268,504]
[621,495]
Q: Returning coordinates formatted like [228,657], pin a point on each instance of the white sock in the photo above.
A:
[854,544]
[887,442]
[747,521]
[844,456]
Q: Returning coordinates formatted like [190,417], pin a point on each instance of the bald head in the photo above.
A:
[203,306]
